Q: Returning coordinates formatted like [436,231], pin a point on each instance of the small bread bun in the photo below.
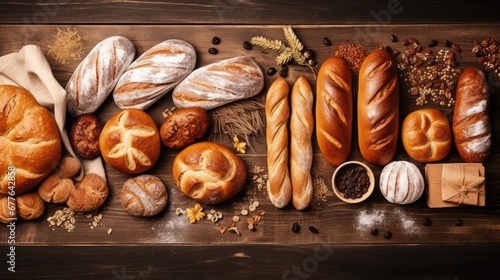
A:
[30,205]
[68,167]
[209,172]
[6,214]
[144,195]
[89,194]
[130,141]
[401,182]
[55,189]
[426,135]
[183,127]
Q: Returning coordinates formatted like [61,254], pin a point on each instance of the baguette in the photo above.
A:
[378,108]
[471,123]
[334,110]
[301,151]
[279,187]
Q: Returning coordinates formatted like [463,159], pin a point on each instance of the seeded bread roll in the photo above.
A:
[97,75]
[154,73]
[30,205]
[144,196]
[55,189]
[130,141]
[471,122]
[89,194]
[334,110]
[279,185]
[378,108]
[301,151]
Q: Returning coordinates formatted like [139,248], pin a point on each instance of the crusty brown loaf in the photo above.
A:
[334,110]
[154,73]
[30,205]
[301,151]
[219,83]
[84,136]
[55,189]
[378,108]
[68,167]
[471,123]
[426,135]
[183,127]
[98,73]
[209,172]
[279,185]
[130,141]
[144,195]
[29,139]
[89,194]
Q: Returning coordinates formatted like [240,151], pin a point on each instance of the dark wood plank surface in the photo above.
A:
[167,246]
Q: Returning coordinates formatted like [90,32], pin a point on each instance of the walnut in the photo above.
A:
[84,136]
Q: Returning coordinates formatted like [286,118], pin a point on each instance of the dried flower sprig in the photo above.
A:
[195,214]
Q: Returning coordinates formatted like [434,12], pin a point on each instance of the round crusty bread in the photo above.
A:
[401,182]
[426,135]
[183,127]
[29,140]
[130,141]
[209,172]
[144,195]
[89,194]
[30,205]
[56,189]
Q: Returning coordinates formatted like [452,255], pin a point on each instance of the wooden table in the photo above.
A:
[168,247]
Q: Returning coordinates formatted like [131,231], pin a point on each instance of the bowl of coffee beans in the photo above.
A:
[353,181]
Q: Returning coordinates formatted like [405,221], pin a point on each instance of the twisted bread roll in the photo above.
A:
[209,172]
[30,145]
[378,108]
[334,110]
[301,152]
[471,123]
[154,73]
[279,186]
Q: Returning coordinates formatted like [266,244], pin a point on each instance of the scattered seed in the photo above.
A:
[271,71]
[427,222]
[295,227]
[252,208]
[458,222]
[256,203]
[247,45]
[251,227]
[256,219]
[212,211]
[327,41]
[283,73]
[261,212]
[222,229]
[447,44]
[212,51]
[234,229]
[214,219]
[218,215]
[394,38]
[250,221]
[236,218]
[110,230]
[432,43]
[374,231]
[313,230]
[388,235]
[215,40]
[244,212]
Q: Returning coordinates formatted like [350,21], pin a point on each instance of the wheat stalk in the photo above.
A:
[273,45]
[292,38]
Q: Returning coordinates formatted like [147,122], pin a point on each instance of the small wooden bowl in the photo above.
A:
[365,195]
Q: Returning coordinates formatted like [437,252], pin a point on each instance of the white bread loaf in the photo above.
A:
[154,73]
[401,182]
[219,83]
[97,75]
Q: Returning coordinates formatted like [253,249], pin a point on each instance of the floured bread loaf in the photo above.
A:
[401,182]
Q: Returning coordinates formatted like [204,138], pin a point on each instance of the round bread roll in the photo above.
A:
[30,205]
[183,127]
[209,172]
[68,167]
[89,194]
[130,141]
[7,212]
[144,195]
[29,140]
[56,189]
[401,182]
[84,136]
[426,135]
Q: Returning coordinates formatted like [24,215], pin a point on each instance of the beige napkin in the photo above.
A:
[29,69]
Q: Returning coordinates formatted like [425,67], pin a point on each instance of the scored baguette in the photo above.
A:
[471,123]
[279,187]
[301,151]
[378,108]
[334,110]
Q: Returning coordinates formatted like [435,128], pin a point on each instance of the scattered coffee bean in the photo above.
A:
[374,231]
[389,49]
[394,38]
[353,181]
[247,45]
[215,40]
[308,54]
[458,222]
[427,222]
[313,230]
[212,51]
[432,43]
[447,44]
[327,41]
[271,71]
[283,73]
[388,235]
[295,227]
[311,62]
[406,42]
[284,67]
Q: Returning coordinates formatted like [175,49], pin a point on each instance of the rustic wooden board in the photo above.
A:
[339,223]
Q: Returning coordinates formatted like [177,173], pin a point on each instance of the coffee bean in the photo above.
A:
[458,222]
[374,231]
[295,227]
[432,43]
[447,44]
[271,71]
[352,181]
[388,235]
[389,49]
[327,41]
[283,73]
[308,54]
[215,40]
[427,222]
[313,230]
[284,67]
[394,38]
[247,45]
[212,51]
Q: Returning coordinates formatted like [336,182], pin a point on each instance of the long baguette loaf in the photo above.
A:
[334,110]
[301,151]
[97,75]
[279,187]
[471,123]
[154,73]
[378,108]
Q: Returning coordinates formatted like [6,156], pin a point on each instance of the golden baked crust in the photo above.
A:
[144,195]
[30,205]
[89,194]
[183,127]
[29,139]
[209,172]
